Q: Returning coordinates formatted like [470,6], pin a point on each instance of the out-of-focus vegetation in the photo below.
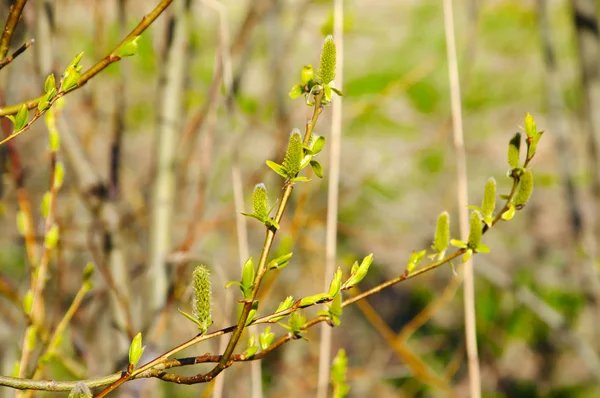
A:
[536,292]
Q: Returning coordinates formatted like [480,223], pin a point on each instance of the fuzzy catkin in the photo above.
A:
[202,300]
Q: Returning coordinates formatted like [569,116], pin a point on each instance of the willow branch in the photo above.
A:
[146,21]
[9,28]
[18,52]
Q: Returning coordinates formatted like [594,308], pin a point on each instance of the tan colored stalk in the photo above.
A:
[463,201]
[332,197]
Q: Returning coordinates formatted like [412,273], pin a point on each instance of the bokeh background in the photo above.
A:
[536,293]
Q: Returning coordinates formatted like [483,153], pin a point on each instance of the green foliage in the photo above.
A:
[284,305]
[252,347]
[129,48]
[136,350]
[414,260]
[358,272]
[246,284]
[266,338]
[21,119]
[514,148]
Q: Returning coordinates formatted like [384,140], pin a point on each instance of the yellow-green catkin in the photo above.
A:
[488,204]
[326,72]
[525,189]
[475,231]
[260,201]
[202,301]
[441,240]
[294,154]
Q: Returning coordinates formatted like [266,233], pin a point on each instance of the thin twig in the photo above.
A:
[9,28]
[18,52]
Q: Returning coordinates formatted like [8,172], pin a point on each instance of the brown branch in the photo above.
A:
[9,28]
[18,52]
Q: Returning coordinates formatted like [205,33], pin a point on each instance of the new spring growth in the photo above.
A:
[50,90]
[441,240]
[294,154]
[246,284]
[71,75]
[202,301]
[514,150]
[136,350]
[252,347]
[336,284]
[533,136]
[326,72]
[358,272]
[488,204]
[260,202]
[338,375]
[334,311]
[266,338]
[295,323]
[524,190]
[21,119]
[128,48]
[292,160]
[284,305]
[414,260]
[475,231]
[80,391]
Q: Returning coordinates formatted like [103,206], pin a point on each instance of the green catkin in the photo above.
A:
[475,231]
[260,202]
[326,72]
[441,239]
[294,154]
[525,189]
[201,302]
[514,149]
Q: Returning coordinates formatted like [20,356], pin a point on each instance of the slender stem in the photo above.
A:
[9,28]
[17,52]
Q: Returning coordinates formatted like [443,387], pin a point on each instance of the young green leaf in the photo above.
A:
[458,243]
[247,282]
[317,142]
[50,83]
[317,168]
[128,48]
[308,74]
[336,284]
[530,128]
[277,168]
[514,149]
[296,91]
[359,272]
[284,305]
[252,347]
[295,323]
[326,72]
[265,338]
[509,214]
[21,118]
[280,262]
[70,78]
[414,260]
[314,299]
[135,349]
